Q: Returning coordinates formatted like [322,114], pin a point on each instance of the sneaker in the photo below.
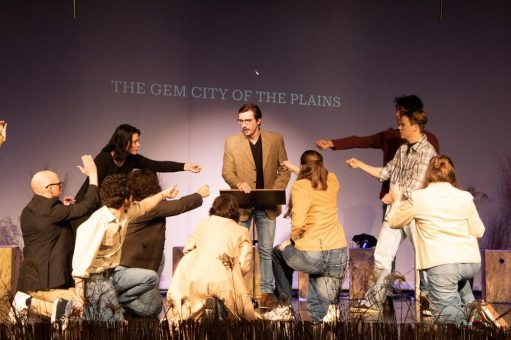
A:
[268,300]
[490,315]
[333,314]
[280,313]
[58,310]
[210,308]
[425,304]
[19,308]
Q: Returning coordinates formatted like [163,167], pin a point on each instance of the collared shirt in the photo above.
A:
[408,169]
[99,241]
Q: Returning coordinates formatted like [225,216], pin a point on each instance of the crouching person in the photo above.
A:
[103,290]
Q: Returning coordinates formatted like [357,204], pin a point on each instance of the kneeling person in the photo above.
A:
[100,286]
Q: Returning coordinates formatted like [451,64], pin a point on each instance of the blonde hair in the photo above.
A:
[441,169]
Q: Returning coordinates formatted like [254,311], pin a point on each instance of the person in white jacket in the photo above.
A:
[448,227]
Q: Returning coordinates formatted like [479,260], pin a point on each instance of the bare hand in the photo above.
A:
[3,131]
[170,192]
[284,244]
[78,303]
[89,167]
[324,144]
[387,199]
[395,193]
[290,167]
[244,187]
[353,163]
[204,191]
[192,167]
[69,200]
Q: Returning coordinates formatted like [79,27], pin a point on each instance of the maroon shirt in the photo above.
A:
[388,141]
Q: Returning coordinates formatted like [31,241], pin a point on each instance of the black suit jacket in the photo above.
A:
[145,237]
[49,240]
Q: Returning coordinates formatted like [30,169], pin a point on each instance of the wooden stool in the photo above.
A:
[10,262]
[496,270]
[361,270]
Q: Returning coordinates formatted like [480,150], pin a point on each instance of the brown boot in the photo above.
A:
[268,300]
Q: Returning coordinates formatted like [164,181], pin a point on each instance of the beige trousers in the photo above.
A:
[42,301]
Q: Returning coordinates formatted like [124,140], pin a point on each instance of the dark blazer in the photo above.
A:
[49,241]
[145,236]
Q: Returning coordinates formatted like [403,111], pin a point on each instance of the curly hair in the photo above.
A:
[114,191]
[143,183]
[226,206]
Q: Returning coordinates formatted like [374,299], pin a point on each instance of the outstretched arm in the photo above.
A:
[192,167]
[151,201]
[291,167]
[356,164]
[324,144]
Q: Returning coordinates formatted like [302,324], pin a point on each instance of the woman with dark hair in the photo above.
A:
[448,227]
[317,244]
[120,156]
[217,257]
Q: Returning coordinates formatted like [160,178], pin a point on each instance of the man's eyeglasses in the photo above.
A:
[244,121]
[60,184]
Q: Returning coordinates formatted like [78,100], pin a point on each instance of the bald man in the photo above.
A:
[45,273]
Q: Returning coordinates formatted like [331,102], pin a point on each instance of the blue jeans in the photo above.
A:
[136,290]
[326,270]
[389,240]
[265,236]
[101,299]
[450,292]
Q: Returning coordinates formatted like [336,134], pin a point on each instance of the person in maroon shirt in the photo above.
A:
[388,140]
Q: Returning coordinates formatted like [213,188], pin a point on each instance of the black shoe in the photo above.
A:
[58,310]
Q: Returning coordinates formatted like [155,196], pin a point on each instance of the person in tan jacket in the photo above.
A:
[252,160]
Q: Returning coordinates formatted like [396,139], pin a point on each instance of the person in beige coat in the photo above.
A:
[252,160]
[217,257]
[448,227]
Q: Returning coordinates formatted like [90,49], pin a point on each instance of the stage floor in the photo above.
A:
[404,310]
